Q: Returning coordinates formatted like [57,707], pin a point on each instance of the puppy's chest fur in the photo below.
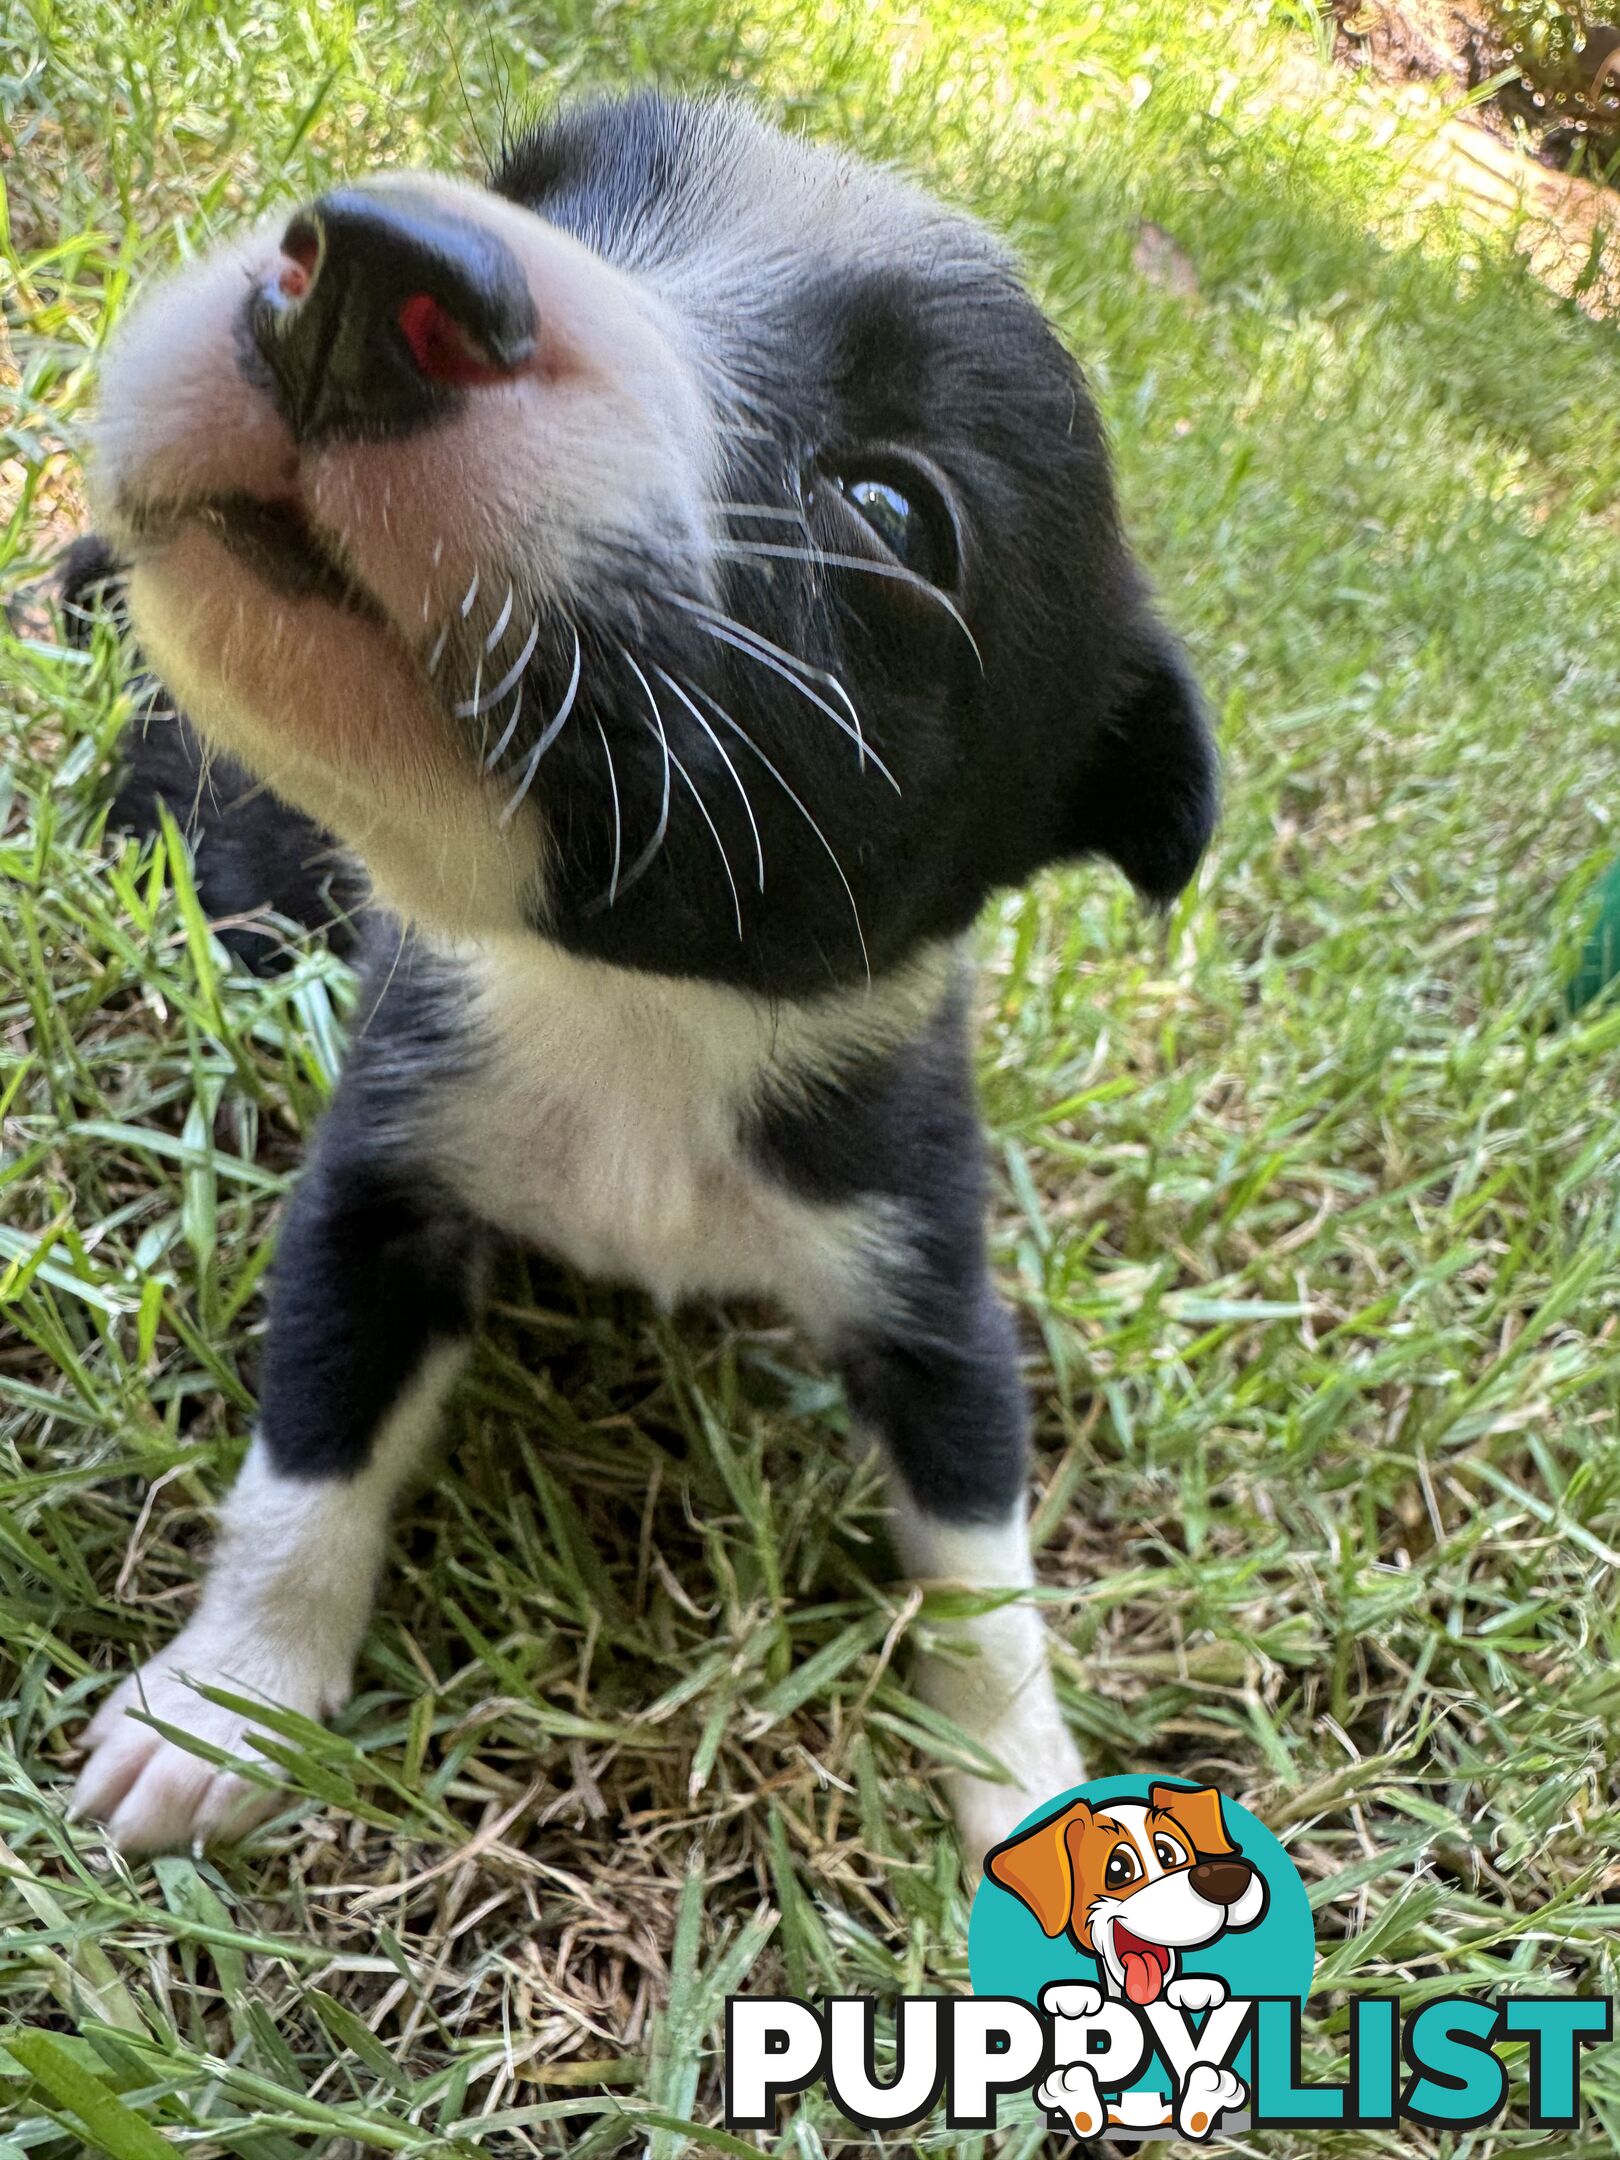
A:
[604,1117]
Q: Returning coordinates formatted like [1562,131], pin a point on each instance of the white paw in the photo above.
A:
[994,1682]
[1196,1991]
[1207,2094]
[1071,1999]
[986,1815]
[151,1794]
[1071,2093]
[1043,1761]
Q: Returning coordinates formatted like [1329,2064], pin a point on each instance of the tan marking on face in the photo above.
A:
[336,717]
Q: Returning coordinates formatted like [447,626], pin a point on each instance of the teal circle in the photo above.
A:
[1008,1954]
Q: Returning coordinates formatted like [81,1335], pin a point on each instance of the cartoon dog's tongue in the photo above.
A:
[1143,1964]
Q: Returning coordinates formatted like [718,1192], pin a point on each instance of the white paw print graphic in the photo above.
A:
[1071,1999]
[1205,2097]
[1071,2093]
[1196,1991]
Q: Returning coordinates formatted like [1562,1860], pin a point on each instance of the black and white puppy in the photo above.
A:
[686,572]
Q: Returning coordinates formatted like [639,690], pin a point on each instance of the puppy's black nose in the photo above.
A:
[1223,1882]
[382,309]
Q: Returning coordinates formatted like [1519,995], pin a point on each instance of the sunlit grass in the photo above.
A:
[1312,1205]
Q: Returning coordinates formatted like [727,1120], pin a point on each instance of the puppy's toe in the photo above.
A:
[154,1794]
[987,1814]
[159,1811]
[119,1751]
[231,1807]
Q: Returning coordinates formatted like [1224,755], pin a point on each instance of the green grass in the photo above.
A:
[1311,1204]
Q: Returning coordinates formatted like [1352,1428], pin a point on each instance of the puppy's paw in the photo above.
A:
[1071,1999]
[1195,1991]
[149,1791]
[1207,2094]
[1070,2096]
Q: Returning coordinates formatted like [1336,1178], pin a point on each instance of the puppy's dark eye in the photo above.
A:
[889,513]
[909,518]
[1122,1868]
[1169,1852]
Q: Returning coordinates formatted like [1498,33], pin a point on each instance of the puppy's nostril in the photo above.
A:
[381,308]
[444,349]
[300,258]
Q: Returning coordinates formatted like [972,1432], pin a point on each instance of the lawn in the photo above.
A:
[1309,1196]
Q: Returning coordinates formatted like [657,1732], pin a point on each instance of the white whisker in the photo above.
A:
[703,812]
[737,729]
[726,631]
[488,701]
[552,730]
[792,660]
[662,827]
[897,571]
[759,845]
[501,621]
[472,595]
[761,510]
[618,823]
[507,733]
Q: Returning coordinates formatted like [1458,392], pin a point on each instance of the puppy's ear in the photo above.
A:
[1199,1814]
[1148,791]
[1036,1868]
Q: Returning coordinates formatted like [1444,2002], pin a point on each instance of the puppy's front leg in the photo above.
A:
[941,1390]
[375,1294]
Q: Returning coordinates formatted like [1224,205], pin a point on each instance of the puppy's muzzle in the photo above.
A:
[381,311]
[1222,1882]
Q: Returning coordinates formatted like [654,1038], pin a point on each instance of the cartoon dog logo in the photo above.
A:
[1134,1885]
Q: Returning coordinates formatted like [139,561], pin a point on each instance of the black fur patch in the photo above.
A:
[934,1369]
[377,1265]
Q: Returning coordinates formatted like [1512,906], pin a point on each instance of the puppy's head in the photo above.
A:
[1134,1885]
[694,547]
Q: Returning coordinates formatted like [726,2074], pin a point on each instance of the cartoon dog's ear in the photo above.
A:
[1199,1814]
[1037,1869]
